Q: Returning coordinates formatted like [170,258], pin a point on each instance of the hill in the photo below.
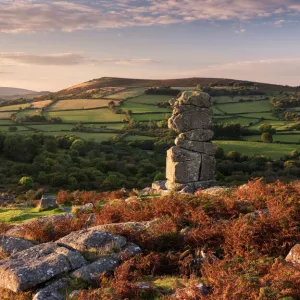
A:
[108,82]
[8,93]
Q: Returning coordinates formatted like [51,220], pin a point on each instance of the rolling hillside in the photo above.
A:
[105,83]
[8,93]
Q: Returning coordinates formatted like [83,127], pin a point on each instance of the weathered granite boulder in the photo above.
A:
[11,245]
[294,256]
[91,272]
[47,202]
[93,241]
[200,135]
[190,120]
[200,147]
[195,98]
[183,166]
[36,265]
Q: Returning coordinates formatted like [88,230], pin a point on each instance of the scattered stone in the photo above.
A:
[159,185]
[258,214]
[216,190]
[47,202]
[91,272]
[11,245]
[129,251]
[147,191]
[36,265]
[294,256]
[74,294]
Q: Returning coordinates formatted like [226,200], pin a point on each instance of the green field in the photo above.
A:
[278,125]
[21,214]
[225,99]
[6,128]
[148,117]
[28,112]
[52,127]
[95,115]
[142,108]
[127,93]
[246,107]
[6,122]
[150,99]
[286,138]
[138,138]
[254,148]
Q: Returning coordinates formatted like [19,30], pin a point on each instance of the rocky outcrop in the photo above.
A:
[191,163]
[31,267]
[11,245]
[51,291]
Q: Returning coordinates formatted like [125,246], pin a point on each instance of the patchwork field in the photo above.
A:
[5,115]
[97,137]
[246,107]
[14,107]
[254,148]
[150,99]
[286,138]
[81,104]
[95,115]
[41,104]
[127,93]
[142,108]
[150,117]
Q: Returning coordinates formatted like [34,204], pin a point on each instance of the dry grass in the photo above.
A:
[41,104]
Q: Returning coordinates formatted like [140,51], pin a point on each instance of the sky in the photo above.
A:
[50,45]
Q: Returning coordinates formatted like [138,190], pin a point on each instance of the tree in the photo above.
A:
[27,182]
[267,137]
[267,128]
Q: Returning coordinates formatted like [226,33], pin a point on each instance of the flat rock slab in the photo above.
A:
[11,245]
[201,135]
[93,240]
[200,147]
[31,267]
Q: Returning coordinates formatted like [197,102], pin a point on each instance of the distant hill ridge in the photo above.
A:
[181,82]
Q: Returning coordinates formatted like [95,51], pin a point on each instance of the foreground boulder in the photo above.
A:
[11,245]
[51,291]
[294,256]
[31,267]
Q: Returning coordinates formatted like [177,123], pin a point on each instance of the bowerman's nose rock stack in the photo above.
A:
[191,163]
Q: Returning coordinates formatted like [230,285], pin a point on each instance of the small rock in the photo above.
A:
[74,294]
[47,202]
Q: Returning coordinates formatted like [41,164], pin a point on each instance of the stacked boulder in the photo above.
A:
[191,163]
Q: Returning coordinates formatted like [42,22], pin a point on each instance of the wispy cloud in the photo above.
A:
[18,16]
[65,59]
